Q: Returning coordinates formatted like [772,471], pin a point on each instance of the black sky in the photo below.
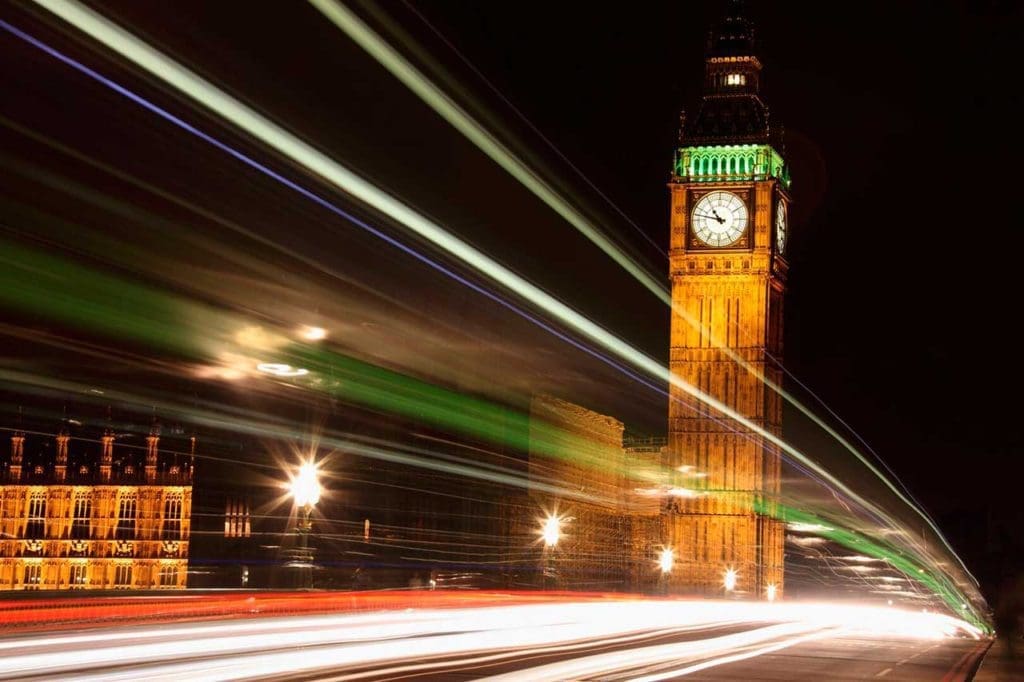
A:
[902,126]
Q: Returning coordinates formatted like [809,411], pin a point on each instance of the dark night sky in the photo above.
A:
[900,121]
[901,124]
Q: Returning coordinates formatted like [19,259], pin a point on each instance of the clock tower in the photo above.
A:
[729,198]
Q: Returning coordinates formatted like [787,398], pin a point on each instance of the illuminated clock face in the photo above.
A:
[780,226]
[719,218]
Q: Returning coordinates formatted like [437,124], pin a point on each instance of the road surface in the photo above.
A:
[555,640]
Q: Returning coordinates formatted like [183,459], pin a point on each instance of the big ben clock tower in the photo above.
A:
[729,198]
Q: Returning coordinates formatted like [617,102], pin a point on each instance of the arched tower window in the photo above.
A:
[127,509]
[36,527]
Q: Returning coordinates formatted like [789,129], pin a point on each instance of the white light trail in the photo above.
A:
[433,96]
[405,639]
[315,161]
[302,153]
[413,79]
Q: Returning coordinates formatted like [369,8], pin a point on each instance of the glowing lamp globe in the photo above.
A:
[666,560]
[305,487]
[551,531]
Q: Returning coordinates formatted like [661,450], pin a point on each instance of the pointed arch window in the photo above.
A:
[81,523]
[126,514]
[36,527]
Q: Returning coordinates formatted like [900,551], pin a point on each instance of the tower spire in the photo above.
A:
[733,35]
[152,448]
[731,110]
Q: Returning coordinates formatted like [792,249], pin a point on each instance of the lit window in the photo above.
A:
[36,526]
[168,576]
[172,518]
[33,576]
[236,518]
[123,576]
[735,79]
[126,519]
[79,577]
[81,524]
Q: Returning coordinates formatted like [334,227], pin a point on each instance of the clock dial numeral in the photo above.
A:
[719,218]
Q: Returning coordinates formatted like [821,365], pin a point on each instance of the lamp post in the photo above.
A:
[305,491]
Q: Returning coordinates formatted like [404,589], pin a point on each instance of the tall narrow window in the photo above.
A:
[236,518]
[168,576]
[36,527]
[33,576]
[172,518]
[79,577]
[81,523]
[126,518]
[123,576]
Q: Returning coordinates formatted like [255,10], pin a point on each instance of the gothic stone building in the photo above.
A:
[93,505]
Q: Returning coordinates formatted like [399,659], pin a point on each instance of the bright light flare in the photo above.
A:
[771,592]
[729,581]
[551,531]
[279,369]
[313,333]
[666,560]
[305,486]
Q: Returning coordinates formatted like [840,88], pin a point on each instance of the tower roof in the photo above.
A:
[731,110]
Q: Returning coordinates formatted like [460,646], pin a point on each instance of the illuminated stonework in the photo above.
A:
[104,522]
[727,300]
[593,520]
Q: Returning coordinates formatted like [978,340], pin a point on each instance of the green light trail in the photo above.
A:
[37,283]
[878,550]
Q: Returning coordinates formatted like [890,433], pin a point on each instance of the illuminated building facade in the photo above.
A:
[94,506]
[578,453]
[729,198]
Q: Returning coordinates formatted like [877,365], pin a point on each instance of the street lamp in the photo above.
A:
[551,533]
[729,582]
[665,561]
[305,491]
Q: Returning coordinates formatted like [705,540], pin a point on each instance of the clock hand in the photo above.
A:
[713,217]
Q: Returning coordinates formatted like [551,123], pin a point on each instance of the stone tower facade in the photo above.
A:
[729,197]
